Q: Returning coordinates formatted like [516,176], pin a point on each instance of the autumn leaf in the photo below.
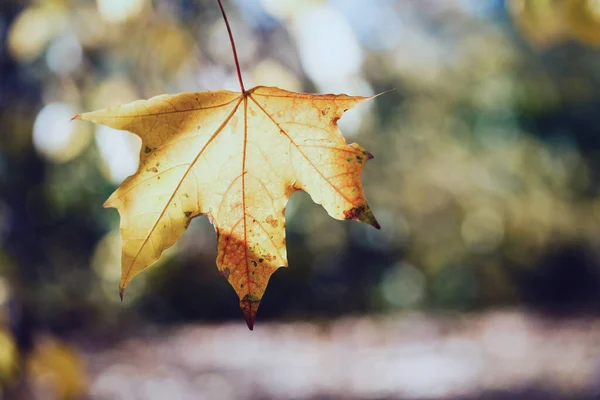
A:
[237,158]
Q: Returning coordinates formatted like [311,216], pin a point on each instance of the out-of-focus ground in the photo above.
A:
[499,355]
[484,281]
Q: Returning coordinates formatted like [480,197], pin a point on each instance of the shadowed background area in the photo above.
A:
[484,281]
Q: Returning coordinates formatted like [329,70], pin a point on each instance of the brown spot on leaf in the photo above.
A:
[147,149]
[272,221]
[354,213]
[325,111]
[187,214]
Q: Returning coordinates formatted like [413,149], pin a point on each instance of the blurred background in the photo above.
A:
[483,283]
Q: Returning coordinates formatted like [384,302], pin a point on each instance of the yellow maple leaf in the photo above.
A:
[235,157]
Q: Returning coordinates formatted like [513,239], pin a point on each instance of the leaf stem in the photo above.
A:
[235,56]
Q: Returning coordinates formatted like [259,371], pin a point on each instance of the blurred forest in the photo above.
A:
[486,182]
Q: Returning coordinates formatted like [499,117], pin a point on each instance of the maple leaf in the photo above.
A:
[236,157]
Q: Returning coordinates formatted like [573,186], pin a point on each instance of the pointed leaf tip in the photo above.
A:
[78,116]
[369,218]
[382,93]
[121,293]
[364,214]
[249,305]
